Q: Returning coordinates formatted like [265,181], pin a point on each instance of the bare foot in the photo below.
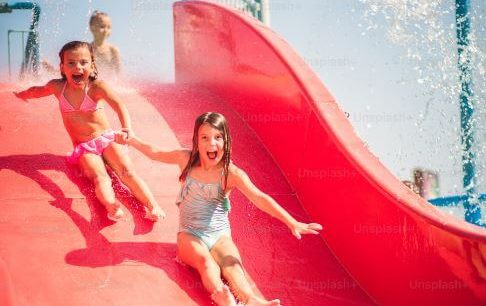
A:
[115,213]
[223,297]
[256,301]
[154,214]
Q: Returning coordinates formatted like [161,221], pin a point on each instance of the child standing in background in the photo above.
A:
[107,56]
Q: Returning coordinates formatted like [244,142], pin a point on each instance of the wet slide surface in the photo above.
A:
[58,248]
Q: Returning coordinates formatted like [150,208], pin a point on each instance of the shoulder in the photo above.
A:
[98,84]
[234,170]
[55,85]
[235,175]
[99,87]
[183,156]
[114,50]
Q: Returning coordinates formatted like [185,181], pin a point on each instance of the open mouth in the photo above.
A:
[77,78]
[212,155]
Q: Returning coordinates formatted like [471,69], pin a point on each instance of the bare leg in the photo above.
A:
[228,258]
[194,253]
[94,168]
[119,161]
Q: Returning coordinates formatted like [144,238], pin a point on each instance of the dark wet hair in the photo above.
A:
[217,121]
[75,45]
[96,15]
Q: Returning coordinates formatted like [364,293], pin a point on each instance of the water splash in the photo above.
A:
[426,30]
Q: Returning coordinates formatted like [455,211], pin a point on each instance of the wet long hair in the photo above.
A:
[75,45]
[217,121]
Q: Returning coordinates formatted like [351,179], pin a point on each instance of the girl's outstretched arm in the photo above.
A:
[178,157]
[239,179]
[38,91]
[103,91]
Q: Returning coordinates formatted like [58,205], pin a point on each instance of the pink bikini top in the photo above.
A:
[88,105]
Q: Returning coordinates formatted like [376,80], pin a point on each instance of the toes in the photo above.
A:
[275,302]
[261,302]
[116,214]
[154,214]
[226,289]
[223,296]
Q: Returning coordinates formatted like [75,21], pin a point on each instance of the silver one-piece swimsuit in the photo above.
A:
[203,211]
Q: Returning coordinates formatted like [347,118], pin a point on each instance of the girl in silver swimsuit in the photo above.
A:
[204,239]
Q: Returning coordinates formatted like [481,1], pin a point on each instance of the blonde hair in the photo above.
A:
[96,15]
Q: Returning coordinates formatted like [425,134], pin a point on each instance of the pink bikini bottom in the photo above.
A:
[96,146]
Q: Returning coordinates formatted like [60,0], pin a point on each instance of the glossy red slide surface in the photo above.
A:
[58,248]
[400,249]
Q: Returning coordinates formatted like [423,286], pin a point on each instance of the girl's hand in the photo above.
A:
[299,228]
[121,137]
[128,132]
[21,95]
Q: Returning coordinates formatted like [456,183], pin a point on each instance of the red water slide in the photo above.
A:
[399,249]
[381,244]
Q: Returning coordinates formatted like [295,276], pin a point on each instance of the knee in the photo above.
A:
[100,178]
[204,264]
[230,263]
[126,172]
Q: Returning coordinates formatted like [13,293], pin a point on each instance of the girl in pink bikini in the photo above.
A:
[81,96]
